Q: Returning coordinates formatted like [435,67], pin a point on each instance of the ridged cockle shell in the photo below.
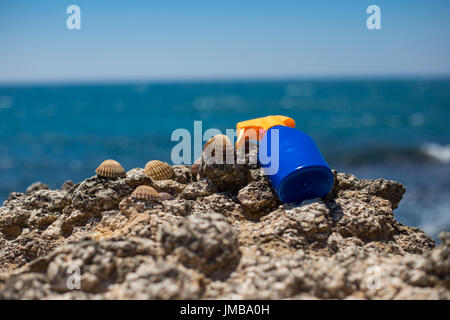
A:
[219,143]
[110,169]
[158,170]
[145,193]
[165,196]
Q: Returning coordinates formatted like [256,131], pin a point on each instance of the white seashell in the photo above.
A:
[218,144]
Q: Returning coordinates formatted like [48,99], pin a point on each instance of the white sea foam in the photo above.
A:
[436,218]
[437,151]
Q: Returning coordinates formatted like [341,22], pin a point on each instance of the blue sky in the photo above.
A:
[195,39]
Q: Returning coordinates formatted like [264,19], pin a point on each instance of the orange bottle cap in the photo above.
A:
[256,128]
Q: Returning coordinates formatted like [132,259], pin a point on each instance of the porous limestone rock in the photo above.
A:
[289,226]
[364,216]
[169,186]
[182,174]
[98,264]
[97,194]
[203,241]
[198,189]
[225,176]
[223,236]
[258,196]
[68,186]
[386,189]
[159,279]
[35,210]
[218,202]
[37,186]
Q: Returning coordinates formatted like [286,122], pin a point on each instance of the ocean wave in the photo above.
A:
[436,151]
[376,155]
[385,154]
[436,218]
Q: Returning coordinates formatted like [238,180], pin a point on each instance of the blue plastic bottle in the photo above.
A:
[302,171]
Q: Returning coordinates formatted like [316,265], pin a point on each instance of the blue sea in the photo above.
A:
[393,129]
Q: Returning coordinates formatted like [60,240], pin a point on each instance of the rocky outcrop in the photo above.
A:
[225,235]
[205,242]
[99,194]
[387,189]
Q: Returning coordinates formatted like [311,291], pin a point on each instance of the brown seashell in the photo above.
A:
[110,169]
[218,143]
[145,193]
[158,170]
[196,166]
[165,196]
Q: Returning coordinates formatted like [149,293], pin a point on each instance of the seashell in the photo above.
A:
[196,166]
[110,169]
[145,193]
[165,196]
[219,143]
[158,170]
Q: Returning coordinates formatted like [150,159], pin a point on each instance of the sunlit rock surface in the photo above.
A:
[225,235]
